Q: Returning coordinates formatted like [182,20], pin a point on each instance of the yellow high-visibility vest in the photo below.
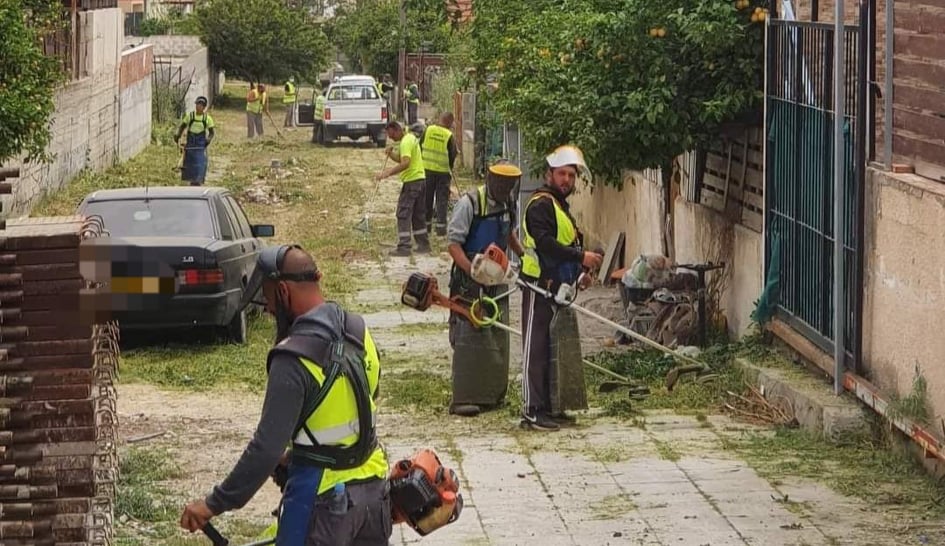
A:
[567,235]
[289,96]
[335,421]
[436,156]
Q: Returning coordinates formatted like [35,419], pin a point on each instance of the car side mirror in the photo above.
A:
[263,230]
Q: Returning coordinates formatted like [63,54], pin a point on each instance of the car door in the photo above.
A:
[229,256]
[249,245]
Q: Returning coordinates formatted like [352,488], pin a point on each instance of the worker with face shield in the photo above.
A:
[482,217]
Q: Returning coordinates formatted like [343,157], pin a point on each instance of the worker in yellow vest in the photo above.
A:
[552,374]
[254,109]
[439,155]
[257,102]
[410,204]
[289,100]
[318,114]
[336,488]
[412,94]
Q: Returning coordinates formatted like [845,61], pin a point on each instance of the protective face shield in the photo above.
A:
[501,180]
[570,155]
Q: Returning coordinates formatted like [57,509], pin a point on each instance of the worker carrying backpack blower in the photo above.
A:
[323,375]
[482,217]
[553,379]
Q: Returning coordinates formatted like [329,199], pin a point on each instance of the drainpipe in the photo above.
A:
[862,113]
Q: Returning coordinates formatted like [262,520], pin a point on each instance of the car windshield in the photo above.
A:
[353,92]
[154,218]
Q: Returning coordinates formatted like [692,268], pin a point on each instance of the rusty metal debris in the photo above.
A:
[755,408]
[58,424]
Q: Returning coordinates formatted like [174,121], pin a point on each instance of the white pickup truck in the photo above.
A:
[353,109]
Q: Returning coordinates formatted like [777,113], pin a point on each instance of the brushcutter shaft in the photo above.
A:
[643,339]
[586,362]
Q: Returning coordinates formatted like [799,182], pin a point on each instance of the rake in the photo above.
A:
[364,224]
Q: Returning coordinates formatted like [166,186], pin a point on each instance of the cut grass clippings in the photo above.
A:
[320,196]
[861,466]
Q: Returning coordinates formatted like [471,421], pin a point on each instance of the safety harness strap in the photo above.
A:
[343,357]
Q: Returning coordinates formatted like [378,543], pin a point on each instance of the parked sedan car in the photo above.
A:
[179,256]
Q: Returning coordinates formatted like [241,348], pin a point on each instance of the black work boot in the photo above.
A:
[400,252]
[465,410]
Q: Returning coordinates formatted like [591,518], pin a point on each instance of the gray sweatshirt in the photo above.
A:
[287,388]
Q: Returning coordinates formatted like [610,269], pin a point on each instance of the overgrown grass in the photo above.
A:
[321,192]
[864,466]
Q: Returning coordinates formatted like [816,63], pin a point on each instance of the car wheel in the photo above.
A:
[238,327]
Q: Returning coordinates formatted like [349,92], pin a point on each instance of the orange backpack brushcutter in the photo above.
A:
[424,494]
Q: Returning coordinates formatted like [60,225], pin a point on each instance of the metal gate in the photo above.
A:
[799,177]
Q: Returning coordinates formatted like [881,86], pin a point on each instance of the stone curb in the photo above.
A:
[813,403]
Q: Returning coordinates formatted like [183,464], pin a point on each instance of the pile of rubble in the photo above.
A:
[58,422]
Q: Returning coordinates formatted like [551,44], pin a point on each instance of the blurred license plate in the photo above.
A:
[357,126]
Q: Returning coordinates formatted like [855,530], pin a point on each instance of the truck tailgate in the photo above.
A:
[354,111]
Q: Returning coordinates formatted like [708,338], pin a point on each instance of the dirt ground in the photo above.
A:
[316,196]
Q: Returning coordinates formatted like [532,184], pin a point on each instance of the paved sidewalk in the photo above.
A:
[665,481]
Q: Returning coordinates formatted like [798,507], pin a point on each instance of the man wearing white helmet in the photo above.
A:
[554,255]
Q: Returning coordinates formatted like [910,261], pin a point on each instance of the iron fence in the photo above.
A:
[799,177]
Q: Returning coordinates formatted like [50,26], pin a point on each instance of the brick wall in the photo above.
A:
[918,92]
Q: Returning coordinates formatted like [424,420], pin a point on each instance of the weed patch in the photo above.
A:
[140,495]
[419,391]
[612,507]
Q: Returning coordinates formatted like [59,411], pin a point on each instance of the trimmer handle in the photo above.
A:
[214,535]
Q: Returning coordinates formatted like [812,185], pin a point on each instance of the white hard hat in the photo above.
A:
[568,155]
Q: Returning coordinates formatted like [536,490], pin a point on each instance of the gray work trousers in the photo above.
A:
[410,215]
[290,114]
[254,124]
[437,201]
[367,521]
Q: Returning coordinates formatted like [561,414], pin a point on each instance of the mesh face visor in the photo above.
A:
[268,265]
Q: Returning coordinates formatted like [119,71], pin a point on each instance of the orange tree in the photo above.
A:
[632,82]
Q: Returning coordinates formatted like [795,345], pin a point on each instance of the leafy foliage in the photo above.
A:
[370,34]
[633,83]
[262,40]
[28,78]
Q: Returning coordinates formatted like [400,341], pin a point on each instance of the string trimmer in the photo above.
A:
[494,259]
[421,291]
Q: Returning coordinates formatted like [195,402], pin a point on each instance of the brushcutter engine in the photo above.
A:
[492,267]
[418,291]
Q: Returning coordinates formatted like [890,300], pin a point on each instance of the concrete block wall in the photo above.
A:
[135,101]
[85,124]
[700,234]
[904,288]
[167,45]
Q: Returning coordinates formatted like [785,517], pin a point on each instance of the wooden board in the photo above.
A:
[613,254]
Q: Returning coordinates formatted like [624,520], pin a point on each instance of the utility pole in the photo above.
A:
[839,173]
[402,60]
